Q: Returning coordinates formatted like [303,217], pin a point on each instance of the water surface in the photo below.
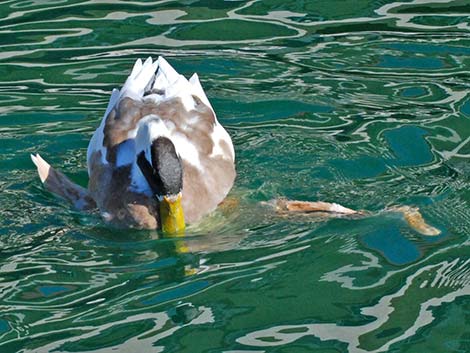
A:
[365,103]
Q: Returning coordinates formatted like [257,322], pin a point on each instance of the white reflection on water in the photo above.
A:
[163,326]
[405,20]
[449,280]
[280,18]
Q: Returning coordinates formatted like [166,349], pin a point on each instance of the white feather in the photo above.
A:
[136,69]
[148,129]
[197,90]
[152,127]
[96,142]
[141,76]
[186,150]
[166,74]
[219,135]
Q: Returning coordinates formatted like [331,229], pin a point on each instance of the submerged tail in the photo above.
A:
[59,184]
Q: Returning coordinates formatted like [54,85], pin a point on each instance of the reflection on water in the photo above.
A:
[428,287]
[363,103]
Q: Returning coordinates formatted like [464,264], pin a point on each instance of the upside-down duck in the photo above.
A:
[160,159]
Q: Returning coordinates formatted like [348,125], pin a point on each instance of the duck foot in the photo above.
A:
[57,183]
[229,204]
[412,216]
[415,220]
[284,206]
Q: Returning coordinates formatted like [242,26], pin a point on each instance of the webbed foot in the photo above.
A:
[415,220]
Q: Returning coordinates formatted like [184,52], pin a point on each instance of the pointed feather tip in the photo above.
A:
[137,67]
[148,69]
[148,61]
[167,70]
[194,79]
[42,166]
[197,89]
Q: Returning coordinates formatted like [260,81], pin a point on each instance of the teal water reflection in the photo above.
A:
[357,102]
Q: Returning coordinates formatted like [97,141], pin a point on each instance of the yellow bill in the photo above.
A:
[171,215]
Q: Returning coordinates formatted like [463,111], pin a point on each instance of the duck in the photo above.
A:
[159,158]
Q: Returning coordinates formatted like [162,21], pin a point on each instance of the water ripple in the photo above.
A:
[363,104]
[356,337]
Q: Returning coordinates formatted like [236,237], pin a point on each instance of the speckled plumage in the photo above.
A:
[156,101]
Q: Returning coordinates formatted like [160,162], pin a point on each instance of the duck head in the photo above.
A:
[164,174]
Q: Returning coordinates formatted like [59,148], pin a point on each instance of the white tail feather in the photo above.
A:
[164,79]
[139,79]
[197,89]
[165,69]
[136,69]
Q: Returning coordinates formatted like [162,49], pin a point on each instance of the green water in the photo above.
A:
[365,103]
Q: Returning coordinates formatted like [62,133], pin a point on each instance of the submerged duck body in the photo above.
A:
[159,138]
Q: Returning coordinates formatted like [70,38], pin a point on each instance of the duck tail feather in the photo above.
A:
[167,71]
[57,183]
[197,89]
[169,82]
[140,77]
[136,69]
